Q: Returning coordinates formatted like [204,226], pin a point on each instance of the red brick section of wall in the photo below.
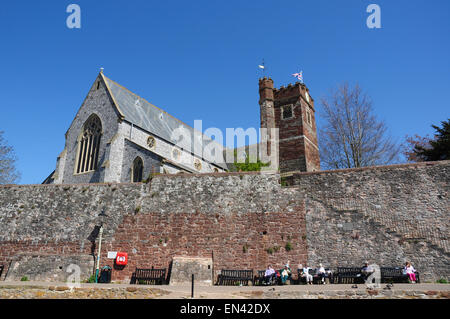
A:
[236,241]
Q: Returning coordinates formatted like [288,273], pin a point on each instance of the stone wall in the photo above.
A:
[238,220]
[42,267]
[385,215]
[183,268]
[42,220]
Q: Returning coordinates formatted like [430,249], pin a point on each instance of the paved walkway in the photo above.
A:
[221,292]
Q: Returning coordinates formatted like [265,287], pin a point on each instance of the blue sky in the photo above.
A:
[198,60]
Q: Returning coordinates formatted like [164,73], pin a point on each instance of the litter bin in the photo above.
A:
[105,275]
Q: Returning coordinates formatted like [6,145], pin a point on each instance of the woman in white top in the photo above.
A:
[307,275]
[321,272]
[410,272]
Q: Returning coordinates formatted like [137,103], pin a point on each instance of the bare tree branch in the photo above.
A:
[352,136]
[8,172]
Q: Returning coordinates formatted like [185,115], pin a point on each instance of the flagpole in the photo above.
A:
[263,67]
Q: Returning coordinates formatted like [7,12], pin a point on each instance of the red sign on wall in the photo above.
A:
[121,259]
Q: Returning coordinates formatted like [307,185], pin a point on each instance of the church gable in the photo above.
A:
[98,91]
[98,103]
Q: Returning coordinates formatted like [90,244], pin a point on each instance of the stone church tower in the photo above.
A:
[291,110]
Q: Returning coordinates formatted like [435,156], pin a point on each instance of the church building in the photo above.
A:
[117,136]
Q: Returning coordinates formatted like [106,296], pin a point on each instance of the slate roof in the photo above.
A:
[152,119]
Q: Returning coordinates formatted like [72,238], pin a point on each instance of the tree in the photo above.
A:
[352,136]
[8,172]
[438,148]
[248,165]
[410,144]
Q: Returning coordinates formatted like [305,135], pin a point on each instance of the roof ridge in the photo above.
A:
[108,89]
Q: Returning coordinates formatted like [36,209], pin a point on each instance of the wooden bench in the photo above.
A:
[349,275]
[301,279]
[233,277]
[395,275]
[259,279]
[318,279]
[315,276]
[149,276]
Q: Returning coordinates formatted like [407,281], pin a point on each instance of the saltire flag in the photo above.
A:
[299,75]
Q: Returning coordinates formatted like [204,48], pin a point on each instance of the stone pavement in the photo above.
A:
[52,290]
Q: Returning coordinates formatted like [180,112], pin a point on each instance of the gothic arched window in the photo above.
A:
[89,145]
[137,171]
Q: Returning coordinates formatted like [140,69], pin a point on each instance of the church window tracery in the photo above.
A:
[89,145]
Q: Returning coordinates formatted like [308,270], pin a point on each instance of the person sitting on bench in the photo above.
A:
[270,272]
[366,271]
[410,272]
[321,273]
[285,274]
[307,275]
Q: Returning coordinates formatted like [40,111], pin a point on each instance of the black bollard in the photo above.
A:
[192,290]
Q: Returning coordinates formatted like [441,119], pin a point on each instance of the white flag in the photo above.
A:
[261,66]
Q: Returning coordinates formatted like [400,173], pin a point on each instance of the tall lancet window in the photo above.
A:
[89,145]
[137,170]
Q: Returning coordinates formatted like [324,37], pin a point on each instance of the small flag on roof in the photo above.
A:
[299,76]
[262,65]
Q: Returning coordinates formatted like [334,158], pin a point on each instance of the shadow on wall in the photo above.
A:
[92,238]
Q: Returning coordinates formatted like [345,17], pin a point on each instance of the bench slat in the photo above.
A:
[234,276]
[388,274]
[148,276]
